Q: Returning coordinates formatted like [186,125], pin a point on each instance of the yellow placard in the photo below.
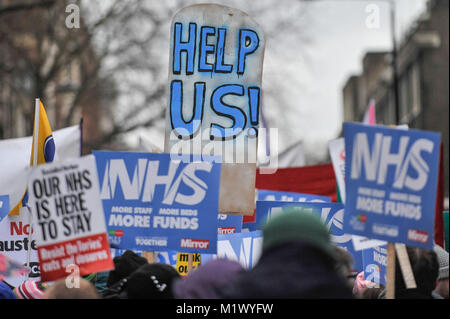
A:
[183,262]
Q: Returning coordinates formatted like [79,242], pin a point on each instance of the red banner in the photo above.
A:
[317,180]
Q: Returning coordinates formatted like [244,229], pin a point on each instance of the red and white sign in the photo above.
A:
[68,218]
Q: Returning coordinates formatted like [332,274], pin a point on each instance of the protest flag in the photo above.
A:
[369,116]
[316,179]
[42,147]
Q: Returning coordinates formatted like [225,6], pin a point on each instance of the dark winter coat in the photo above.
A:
[290,270]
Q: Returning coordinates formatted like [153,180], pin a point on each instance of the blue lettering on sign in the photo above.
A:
[248,43]
[187,47]
[177,121]
[210,58]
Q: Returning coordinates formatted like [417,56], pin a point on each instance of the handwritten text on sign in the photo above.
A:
[215,72]
[202,56]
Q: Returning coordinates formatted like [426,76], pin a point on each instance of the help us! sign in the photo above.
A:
[68,218]
[215,73]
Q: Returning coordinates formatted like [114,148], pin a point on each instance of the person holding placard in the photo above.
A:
[425,266]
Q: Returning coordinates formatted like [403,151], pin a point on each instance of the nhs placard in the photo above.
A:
[153,203]
[268,195]
[391,179]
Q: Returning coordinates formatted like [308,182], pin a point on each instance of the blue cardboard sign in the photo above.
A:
[229,224]
[391,180]
[242,247]
[268,195]
[4,206]
[166,257]
[153,203]
[331,214]
[375,264]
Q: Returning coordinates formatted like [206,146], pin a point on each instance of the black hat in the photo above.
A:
[152,281]
[124,266]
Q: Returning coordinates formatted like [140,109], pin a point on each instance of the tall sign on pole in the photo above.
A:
[215,72]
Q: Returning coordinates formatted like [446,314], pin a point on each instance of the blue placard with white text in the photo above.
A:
[229,224]
[245,248]
[153,203]
[391,179]
[375,264]
[331,214]
[4,206]
[267,195]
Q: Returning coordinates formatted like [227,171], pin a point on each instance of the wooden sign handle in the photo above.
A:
[149,255]
[190,263]
[390,272]
[405,266]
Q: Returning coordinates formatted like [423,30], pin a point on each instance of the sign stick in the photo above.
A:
[35,155]
[390,272]
[29,240]
[405,266]
[190,261]
[149,255]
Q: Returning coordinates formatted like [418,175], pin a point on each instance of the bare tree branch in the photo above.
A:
[23,6]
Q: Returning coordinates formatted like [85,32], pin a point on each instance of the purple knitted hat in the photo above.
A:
[206,281]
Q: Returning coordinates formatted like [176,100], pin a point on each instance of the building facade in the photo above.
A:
[423,80]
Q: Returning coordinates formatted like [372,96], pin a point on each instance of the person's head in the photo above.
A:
[442,280]
[31,290]
[206,281]
[297,225]
[344,265]
[425,267]
[151,281]
[124,266]
[60,290]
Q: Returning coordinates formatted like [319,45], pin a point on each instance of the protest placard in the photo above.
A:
[269,195]
[153,203]
[15,232]
[229,224]
[331,214]
[184,265]
[215,71]
[68,218]
[375,264]
[245,248]
[391,180]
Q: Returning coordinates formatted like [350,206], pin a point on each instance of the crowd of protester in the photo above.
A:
[298,260]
